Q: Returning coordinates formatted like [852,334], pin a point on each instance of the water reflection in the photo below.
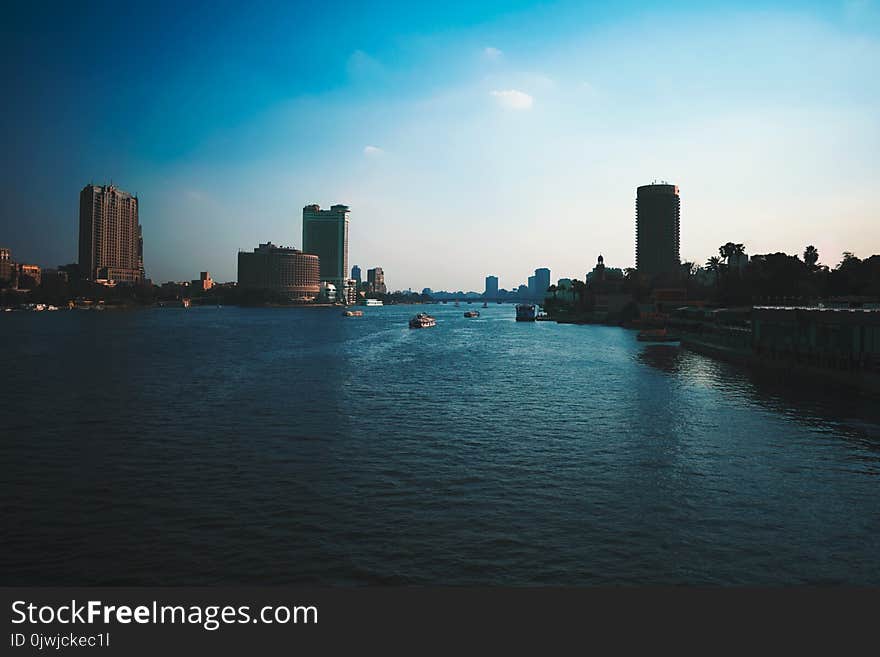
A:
[827,408]
[664,357]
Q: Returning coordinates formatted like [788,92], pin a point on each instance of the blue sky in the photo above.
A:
[469,138]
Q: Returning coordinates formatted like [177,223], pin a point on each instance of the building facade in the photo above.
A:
[657,229]
[325,234]
[110,241]
[7,267]
[376,280]
[281,269]
[491,287]
[542,282]
[204,282]
[29,276]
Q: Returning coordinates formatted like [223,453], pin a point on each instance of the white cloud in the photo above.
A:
[373,151]
[492,53]
[513,99]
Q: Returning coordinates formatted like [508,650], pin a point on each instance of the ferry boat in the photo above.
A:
[472,313]
[371,302]
[525,312]
[353,313]
[422,320]
[657,335]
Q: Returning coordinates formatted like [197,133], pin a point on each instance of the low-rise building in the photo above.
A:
[281,269]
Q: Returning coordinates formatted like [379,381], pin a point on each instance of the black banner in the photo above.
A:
[171,621]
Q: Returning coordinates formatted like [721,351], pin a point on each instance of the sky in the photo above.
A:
[469,138]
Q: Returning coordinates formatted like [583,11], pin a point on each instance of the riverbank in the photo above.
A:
[866,383]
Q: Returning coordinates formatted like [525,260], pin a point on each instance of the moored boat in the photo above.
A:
[422,320]
[472,313]
[525,312]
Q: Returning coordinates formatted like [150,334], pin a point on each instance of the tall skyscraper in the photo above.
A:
[110,244]
[325,234]
[356,274]
[491,287]
[657,229]
[376,280]
[533,293]
[542,282]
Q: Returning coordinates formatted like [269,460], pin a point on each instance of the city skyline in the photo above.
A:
[466,141]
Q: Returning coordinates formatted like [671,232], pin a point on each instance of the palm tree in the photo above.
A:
[811,256]
[715,265]
[731,250]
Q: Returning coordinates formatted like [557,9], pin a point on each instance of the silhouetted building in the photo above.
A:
[657,229]
[7,267]
[29,276]
[376,280]
[282,269]
[204,282]
[356,274]
[325,234]
[54,281]
[491,287]
[602,275]
[110,243]
[533,293]
[542,282]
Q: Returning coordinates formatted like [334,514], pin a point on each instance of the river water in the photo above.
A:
[263,446]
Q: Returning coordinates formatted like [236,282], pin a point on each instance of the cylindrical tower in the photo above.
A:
[657,229]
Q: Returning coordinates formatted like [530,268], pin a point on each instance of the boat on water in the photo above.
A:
[353,313]
[485,304]
[542,317]
[657,335]
[186,302]
[472,313]
[422,320]
[525,312]
[371,302]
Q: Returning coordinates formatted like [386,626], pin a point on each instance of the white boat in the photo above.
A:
[371,302]
[422,320]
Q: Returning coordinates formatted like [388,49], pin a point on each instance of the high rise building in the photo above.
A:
[533,293]
[376,280]
[325,234]
[657,229]
[288,271]
[356,274]
[7,266]
[542,282]
[491,287]
[110,244]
